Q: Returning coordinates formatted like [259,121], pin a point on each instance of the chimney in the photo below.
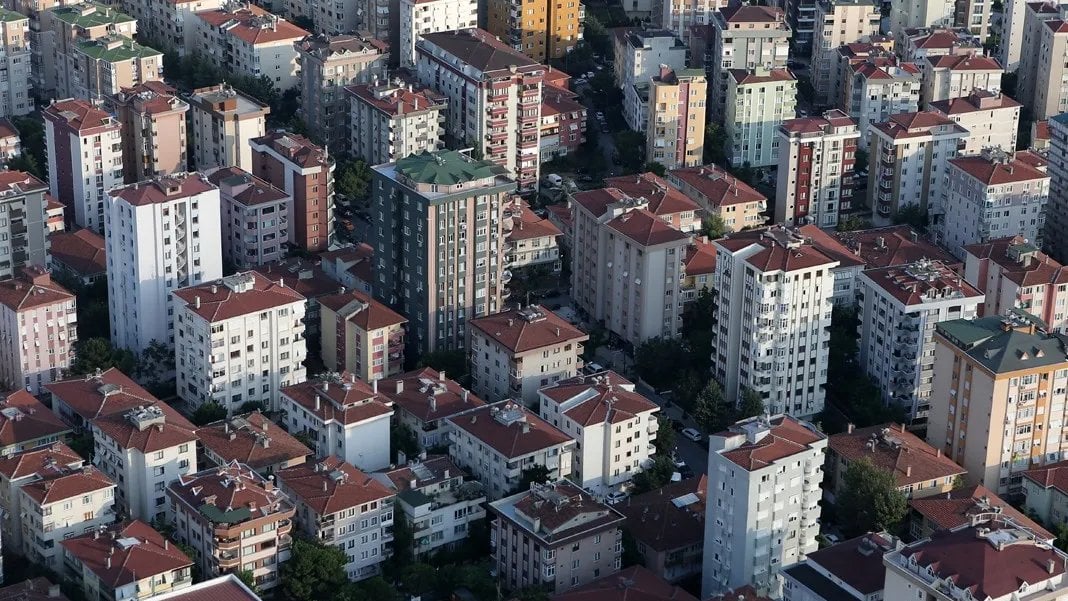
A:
[374,386]
[318,403]
[107,560]
[54,592]
[465,395]
[166,544]
[196,303]
[902,428]
[326,385]
[908,471]
[441,375]
[938,452]
[849,429]
[324,485]
[400,386]
[526,427]
[433,403]
[1051,566]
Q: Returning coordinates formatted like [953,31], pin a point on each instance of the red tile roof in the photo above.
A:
[163,189]
[412,392]
[62,483]
[965,62]
[20,182]
[646,229]
[81,116]
[47,458]
[664,199]
[996,172]
[434,469]
[24,419]
[531,328]
[397,100]
[718,187]
[635,583]
[656,521]
[830,246]
[556,511]
[510,429]
[236,295]
[147,429]
[893,245]
[250,190]
[818,124]
[294,147]
[956,508]
[230,494]
[152,98]
[602,398]
[922,282]
[783,249]
[252,25]
[482,50]
[784,436]
[125,553]
[30,289]
[81,251]
[251,439]
[100,394]
[222,588]
[8,129]
[745,13]
[34,589]
[745,77]
[330,485]
[348,400]
[978,100]
[1054,475]
[363,311]
[306,276]
[525,224]
[857,562]
[1020,261]
[1042,130]
[597,201]
[700,257]
[911,125]
[896,450]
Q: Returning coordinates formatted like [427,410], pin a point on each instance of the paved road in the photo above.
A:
[692,453]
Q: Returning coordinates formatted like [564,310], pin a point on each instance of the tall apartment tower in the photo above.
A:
[390,122]
[1057,207]
[161,235]
[762,507]
[420,17]
[674,134]
[746,37]
[541,29]
[816,157]
[39,324]
[153,130]
[758,101]
[23,233]
[776,290]
[915,14]
[224,123]
[494,94]
[305,171]
[84,159]
[681,16]
[438,243]
[16,91]
[841,22]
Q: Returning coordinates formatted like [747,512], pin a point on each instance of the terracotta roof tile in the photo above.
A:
[252,25]
[1020,261]
[635,583]
[1054,475]
[363,311]
[81,251]
[63,482]
[231,494]
[330,485]
[1042,130]
[786,436]
[556,511]
[921,282]
[978,100]
[32,288]
[964,62]
[656,521]
[34,589]
[306,276]
[222,588]
[53,457]
[294,147]
[148,428]
[646,228]
[117,560]
[894,245]
[8,129]
[482,50]
[995,172]
[346,401]
[830,246]
[80,115]
[411,392]
[100,394]
[524,330]
[397,100]
[919,124]
[244,188]
[745,77]
[526,224]
[605,397]
[664,199]
[24,419]
[424,472]
[783,249]
[746,13]
[20,182]
[236,295]
[956,508]
[251,439]
[510,429]
[718,187]
[163,189]
[700,258]
[857,562]
[896,450]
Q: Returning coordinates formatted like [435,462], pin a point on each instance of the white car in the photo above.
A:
[692,434]
[615,497]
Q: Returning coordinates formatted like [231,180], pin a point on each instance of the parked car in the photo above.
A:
[677,426]
[692,433]
[615,497]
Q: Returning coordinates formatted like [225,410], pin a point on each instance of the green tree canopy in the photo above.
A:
[655,476]
[314,572]
[869,500]
[714,226]
[534,474]
[98,353]
[750,405]
[453,363]
[711,410]
[207,413]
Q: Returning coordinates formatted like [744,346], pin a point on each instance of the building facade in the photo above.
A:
[305,171]
[38,320]
[542,29]
[420,17]
[746,37]
[758,101]
[392,122]
[153,118]
[1015,275]
[361,336]
[816,159]
[255,218]
[224,123]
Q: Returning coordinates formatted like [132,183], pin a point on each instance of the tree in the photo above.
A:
[531,593]
[912,215]
[250,406]
[314,571]
[630,145]
[32,139]
[655,476]
[869,500]
[713,226]
[656,354]
[207,413]
[94,354]
[665,436]
[750,405]
[656,168]
[710,409]
[372,589]
[248,579]
[403,542]
[28,163]
[535,474]
[155,362]
[419,579]
[83,444]
[851,223]
[860,160]
[402,439]
[353,181]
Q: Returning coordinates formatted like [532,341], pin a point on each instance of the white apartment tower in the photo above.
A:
[162,234]
[991,118]
[420,17]
[775,295]
[762,506]
[238,339]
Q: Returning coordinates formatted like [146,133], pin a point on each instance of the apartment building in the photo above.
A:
[1047,93]
[668,203]
[64,502]
[1057,206]
[224,123]
[25,467]
[956,508]
[640,54]
[341,506]
[26,423]
[251,439]
[461,276]
[78,255]
[923,42]
[718,192]
[668,527]
[393,121]
[64,27]
[699,268]
[16,87]
[255,218]
[766,473]
[956,76]
[305,171]
[851,569]
[245,39]
[1044,493]
[614,428]
[746,37]
[361,336]
[84,159]
[515,353]
[308,278]
[152,119]
[816,158]
[676,118]
[143,269]
[38,329]
[916,14]
[240,324]
[1015,275]
[126,561]
[424,399]
[169,22]
[850,55]
[542,30]
[345,417]
[781,350]
[472,64]
[680,17]
[991,118]
[327,65]
[418,18]
[438,499]
[899,307]
[839,22]
[81,399]
[106,65]
[910,156]
[563,123]
[1035,16]
[554,536]
[234,520]
[878,88]
[617,237]
[991,196]
[500,440]
[1012,375]
[758,101]
[530,239]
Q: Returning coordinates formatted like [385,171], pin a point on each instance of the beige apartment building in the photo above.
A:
[392,121]
[674,133]
[39,324]
[838,22]
[224,123]
[554,536]
[361,335]
[153,130]
[541,29]
[991,118]
[327,66]
[16,95]
[720,193]
[998,404]
[746,37]
[1050,75]
[64,29]
[104,66]
[247,40]
[954,76]
[515,353]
